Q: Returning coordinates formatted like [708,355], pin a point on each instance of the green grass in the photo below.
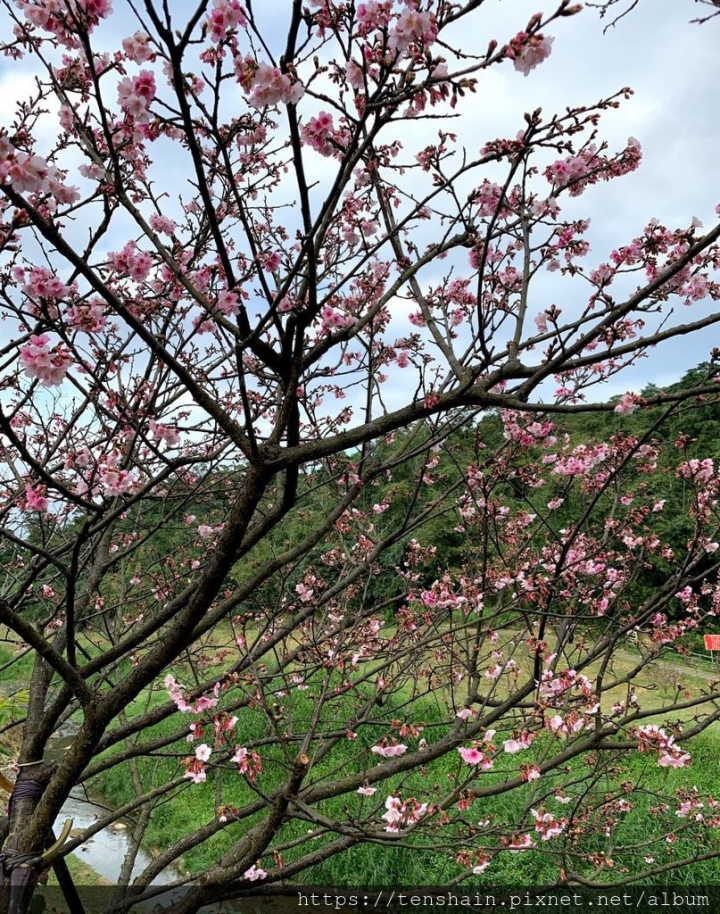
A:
[197,802]
[81,873]
[431,859]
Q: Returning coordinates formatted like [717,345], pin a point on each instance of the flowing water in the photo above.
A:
[106,850]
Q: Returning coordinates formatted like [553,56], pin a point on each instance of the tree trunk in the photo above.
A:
[21,862]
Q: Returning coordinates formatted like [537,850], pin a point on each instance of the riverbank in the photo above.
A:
[99,860]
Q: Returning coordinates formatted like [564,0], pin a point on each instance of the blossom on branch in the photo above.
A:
[48,363]
[529,51]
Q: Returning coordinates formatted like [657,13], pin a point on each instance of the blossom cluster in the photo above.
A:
[47,362]
[265,84]
[195,766]
[130,261]
[136,95]
[576,172]
[547,825]
[412,27]
[64,19]
[319,133]
[529,51]
[88,316]
[670,755]
[28,173]
[225,16]
[402,813]
[248,762]
[203,703]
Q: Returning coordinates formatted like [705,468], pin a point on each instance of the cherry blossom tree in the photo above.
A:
[619,10]
[271,334]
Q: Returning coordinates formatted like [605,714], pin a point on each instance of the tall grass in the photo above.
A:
[431,860]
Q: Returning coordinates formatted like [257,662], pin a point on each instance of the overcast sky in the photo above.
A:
[674,68]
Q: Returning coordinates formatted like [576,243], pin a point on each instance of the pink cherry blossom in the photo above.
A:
[225,16]
[332,319]
[116,480]
[203,752]
[354,75]
[519,843]
[34,500]
[410,27]
[162,224]
[49,364]
[166,433]
[195,770]
[674,759]
[304,592]
[88,316]
[699,470]
[402,814]
[527,52]
[317,133]
[32,174]
[175,691]
[627,404]
[132,262]
[473,756]
[530,772]
[137,47]
[254,874]
[487,198]
[136,95]
[389,751]
[271,87]
[372,15]
[651,737]
[228,303]
[248,762]
[547,825]
[28,173]
[39,282]
[366,791]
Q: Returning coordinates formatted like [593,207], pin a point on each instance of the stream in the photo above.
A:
[106,850]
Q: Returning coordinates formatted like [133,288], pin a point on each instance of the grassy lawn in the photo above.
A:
[81,873]
[426,861]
